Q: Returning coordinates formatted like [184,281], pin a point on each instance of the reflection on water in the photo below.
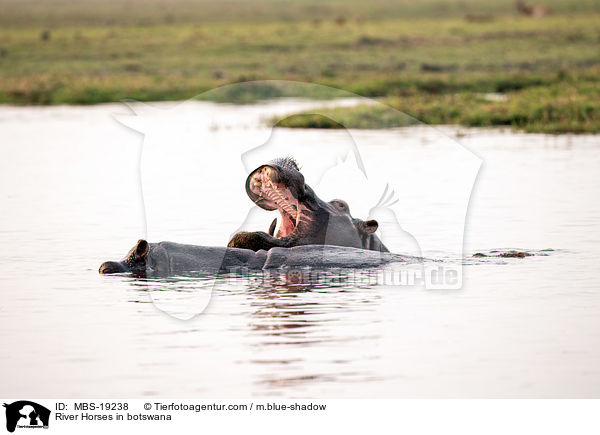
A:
[287,313]
[185,296]
[519,327]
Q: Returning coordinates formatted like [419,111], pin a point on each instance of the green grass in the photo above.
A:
[564,107]
[430,58]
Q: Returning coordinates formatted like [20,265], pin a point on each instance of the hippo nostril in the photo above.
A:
[110,267]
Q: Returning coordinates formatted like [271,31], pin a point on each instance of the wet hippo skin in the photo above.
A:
[312,233]
[305,218]
[168,258]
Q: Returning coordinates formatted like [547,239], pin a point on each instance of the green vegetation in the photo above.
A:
[433,59]
[568,106]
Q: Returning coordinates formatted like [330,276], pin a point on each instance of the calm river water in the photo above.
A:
[72,198]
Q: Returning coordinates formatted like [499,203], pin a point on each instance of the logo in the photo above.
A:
[26,414]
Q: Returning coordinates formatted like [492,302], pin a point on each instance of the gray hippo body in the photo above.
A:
[305,218]
[168,258]
[312,233]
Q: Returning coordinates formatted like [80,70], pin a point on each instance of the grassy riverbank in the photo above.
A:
[568,106]
[434,60]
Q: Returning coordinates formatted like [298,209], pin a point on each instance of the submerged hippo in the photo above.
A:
[313,233]
[168,258]
[305,218]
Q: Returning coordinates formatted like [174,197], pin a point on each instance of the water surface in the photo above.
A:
[71,199]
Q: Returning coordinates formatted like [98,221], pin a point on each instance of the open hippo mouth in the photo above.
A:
[275,188]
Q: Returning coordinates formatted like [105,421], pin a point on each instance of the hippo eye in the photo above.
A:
[340,205]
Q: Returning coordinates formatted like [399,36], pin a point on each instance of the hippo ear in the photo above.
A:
[141,249]
[370,226]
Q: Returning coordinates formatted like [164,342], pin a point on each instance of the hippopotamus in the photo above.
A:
[305,218]
[313,233]
[168,258]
